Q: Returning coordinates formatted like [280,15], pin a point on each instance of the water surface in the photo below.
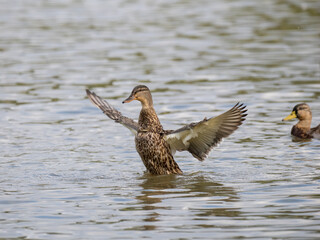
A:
[69,172]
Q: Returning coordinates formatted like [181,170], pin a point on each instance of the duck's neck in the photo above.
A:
[304,124]
[148,119]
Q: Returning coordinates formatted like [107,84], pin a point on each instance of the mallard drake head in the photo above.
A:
[142,94]
[301,111]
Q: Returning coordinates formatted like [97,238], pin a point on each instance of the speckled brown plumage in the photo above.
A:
[155,153]
[157,146]
[303,128]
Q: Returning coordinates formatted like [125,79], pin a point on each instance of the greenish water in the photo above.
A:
[69,172]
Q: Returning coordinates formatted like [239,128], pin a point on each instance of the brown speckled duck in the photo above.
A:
[303,128]
[157,146]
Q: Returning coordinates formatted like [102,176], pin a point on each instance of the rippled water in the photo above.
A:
[68,172]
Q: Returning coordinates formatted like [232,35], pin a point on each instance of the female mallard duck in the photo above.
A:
[156,146]
[303,128]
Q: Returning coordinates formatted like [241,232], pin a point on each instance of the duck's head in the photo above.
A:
[301,111]
[142,94]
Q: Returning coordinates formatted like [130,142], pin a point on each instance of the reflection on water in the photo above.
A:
[68,172]
[177,186]
[203,197]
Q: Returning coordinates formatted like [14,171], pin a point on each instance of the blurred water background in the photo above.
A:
[69,172]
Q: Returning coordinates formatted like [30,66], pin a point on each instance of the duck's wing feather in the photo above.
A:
[199,138]
[315,132]
[113,113]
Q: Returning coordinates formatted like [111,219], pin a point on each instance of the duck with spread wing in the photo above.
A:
[157,146]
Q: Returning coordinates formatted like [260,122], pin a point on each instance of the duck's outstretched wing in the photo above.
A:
[199,138]
[112,113]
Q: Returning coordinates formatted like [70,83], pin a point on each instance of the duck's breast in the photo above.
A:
[155,153]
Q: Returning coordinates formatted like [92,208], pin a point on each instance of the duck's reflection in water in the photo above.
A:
[201,198]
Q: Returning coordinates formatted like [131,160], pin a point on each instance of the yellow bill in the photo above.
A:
[291,116]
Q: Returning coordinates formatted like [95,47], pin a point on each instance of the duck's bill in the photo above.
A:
[129,99]
[291,116]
